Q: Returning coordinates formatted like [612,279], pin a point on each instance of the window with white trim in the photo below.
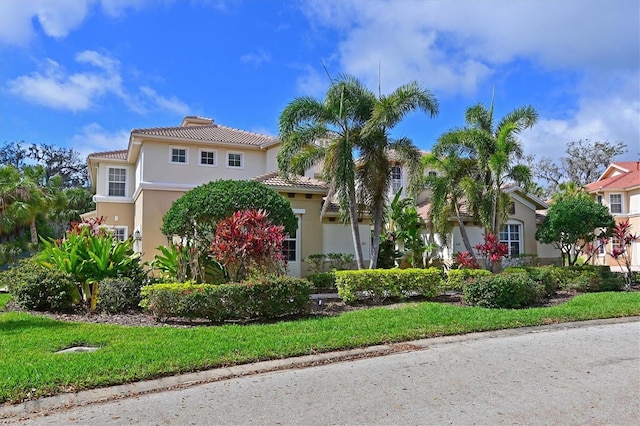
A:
[235,159]
[396,179]
[208,158]
[178,155]
[511,236]
[599,199]
[289,247]
[117,182]
[615,203]
[120,232]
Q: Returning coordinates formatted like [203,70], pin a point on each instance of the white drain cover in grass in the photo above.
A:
[78,349]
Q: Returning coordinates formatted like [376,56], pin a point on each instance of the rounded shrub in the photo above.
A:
[511,290]
[325,281]
[36,287]
[117,295]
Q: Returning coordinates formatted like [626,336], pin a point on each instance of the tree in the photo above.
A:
[453,184]
[572,223]
[328,130]
[14,154]
[196,214]
[63,162]
[495,149]
[585,161]
[376,145]
[622,255]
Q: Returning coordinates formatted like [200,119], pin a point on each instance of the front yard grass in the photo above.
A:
[29,368]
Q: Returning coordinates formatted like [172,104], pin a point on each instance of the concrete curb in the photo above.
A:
[94,396]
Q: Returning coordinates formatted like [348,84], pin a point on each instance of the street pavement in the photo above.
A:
[566,374]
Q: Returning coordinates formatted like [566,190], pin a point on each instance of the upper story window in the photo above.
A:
[615,203]
[178,155]
[235,159]
[432,174]
[117,184]
[512,207]
[396,179]
[208,158]
[599,199]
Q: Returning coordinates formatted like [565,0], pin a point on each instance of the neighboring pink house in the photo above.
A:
[618,188]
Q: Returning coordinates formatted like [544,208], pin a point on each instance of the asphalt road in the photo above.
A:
[586,375]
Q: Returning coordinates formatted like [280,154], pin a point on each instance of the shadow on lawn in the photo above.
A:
[11,323]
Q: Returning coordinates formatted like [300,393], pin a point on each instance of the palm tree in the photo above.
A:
[495,148]
[451,187]
[376,146]
[338,120]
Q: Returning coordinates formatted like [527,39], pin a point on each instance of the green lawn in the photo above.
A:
[30,369]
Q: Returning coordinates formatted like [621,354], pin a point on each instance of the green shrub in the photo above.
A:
[379,284]
[325,281]
[326,262]
[264,298]
[511,290]
[457,278]
[119,294]
[587,278]
[36,287]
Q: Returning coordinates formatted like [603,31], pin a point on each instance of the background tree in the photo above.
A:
[14,154]
[585,161]
[63,162]
[573,222]
[328,131]
[376,147]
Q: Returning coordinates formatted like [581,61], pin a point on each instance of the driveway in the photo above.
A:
[579,373]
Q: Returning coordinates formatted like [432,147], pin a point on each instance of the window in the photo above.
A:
[117,182]
[208,158]
[120,232]
[599,199]
[433,174]
[615,203]
[396,179]
[615,243]
[512,207]
[510,235]
[234,159]
[289,246]
[179,155]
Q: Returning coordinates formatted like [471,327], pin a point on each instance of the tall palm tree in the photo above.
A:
[495,148]
[376,146]
[337,119]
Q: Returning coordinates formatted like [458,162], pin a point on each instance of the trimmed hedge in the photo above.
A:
[379,284]
[511,290]
[33,286]
[587,278]
[324,281]
[270,297]
[457,278]
[117,295]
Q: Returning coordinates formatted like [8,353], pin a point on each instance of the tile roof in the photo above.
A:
[110,155]
[211,132]
[627,179]
[295,182]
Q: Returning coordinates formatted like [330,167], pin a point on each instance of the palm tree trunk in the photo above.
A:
[377,229]
[34,231]
[355,232]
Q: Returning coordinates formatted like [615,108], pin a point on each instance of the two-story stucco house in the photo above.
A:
[136,186]
[618,188]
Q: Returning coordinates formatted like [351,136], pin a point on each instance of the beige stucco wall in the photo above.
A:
[154,205]
[271,160]
[103,176]
[310,230]
[336,238]
[192,173]
[117,214]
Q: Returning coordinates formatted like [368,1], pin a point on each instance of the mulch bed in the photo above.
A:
[328,307]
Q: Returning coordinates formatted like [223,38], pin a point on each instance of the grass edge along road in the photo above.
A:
[30,369]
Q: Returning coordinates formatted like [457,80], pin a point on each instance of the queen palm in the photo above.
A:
[378,152]
[337,121]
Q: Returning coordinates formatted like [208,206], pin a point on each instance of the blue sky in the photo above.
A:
[83,73]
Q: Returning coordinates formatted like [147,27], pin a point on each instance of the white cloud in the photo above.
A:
[56,18]
[93,138]
[311,82]
[157,101]
[54,87]
[256,58]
